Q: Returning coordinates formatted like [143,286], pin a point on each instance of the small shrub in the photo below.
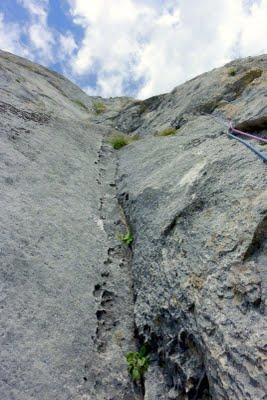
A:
[99,107]
[138,363]
[166,132]
[127,238]
[80,104]
[120,140]
[232,71]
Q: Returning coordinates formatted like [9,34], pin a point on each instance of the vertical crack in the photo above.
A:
[114,335]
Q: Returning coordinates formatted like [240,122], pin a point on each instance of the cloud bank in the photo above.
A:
[140,48]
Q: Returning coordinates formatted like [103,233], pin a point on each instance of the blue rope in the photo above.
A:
[260,154]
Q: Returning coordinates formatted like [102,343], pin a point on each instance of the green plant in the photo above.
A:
[232,71]
[166,132]
[120,140]
[127,238]
[80,104]
[99,107]
[138,363]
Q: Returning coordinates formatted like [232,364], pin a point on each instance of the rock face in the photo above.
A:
[74,299]
[66,324]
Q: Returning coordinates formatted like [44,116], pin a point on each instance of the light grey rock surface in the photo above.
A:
[241,97]
[66,324]
[74,300]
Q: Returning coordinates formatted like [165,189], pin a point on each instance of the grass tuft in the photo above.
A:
[166,132]
[80,104]
[232,71]
[127,238]
[120,140]
[99,107]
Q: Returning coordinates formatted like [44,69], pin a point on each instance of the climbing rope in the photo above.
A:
[256,151]
[232,130]
[232,134]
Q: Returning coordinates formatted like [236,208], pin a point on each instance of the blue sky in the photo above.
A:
[132,47]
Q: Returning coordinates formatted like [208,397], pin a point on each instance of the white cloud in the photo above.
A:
[10,34]
[67,44]
[42,41]
[40,35]
[112,40]
[254,34]
[44,44]
[163,44]
[143,46]
[37,8]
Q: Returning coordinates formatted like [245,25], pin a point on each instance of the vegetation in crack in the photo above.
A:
[232,71]
[99,107]
[80,104]
[138,362]
[166,132]
[245,80]
[127,238]
[120,140]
